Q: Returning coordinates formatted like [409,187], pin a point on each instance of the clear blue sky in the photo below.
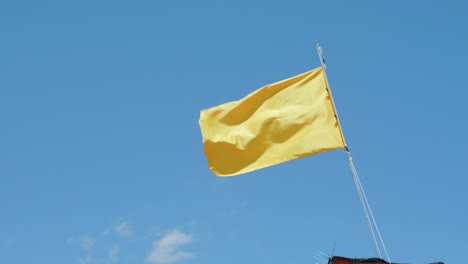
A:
[101,156]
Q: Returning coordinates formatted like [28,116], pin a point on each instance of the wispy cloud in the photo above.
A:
[86,242]
[167,249]
[124,229]
[86,260]
[114,253]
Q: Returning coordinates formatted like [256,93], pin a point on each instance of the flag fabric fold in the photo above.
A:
[282,121]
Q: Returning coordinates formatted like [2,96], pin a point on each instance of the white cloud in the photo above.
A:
[86,242]
[124,229]
[86,260]
[114,253]
[167,249]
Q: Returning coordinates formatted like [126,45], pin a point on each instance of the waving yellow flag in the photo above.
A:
[286,120]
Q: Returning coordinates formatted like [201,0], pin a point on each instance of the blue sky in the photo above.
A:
[101,157]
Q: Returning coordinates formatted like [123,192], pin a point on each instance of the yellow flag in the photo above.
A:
[286,120]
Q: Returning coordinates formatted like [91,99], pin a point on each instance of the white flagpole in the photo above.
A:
[324,66]
[362,196]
